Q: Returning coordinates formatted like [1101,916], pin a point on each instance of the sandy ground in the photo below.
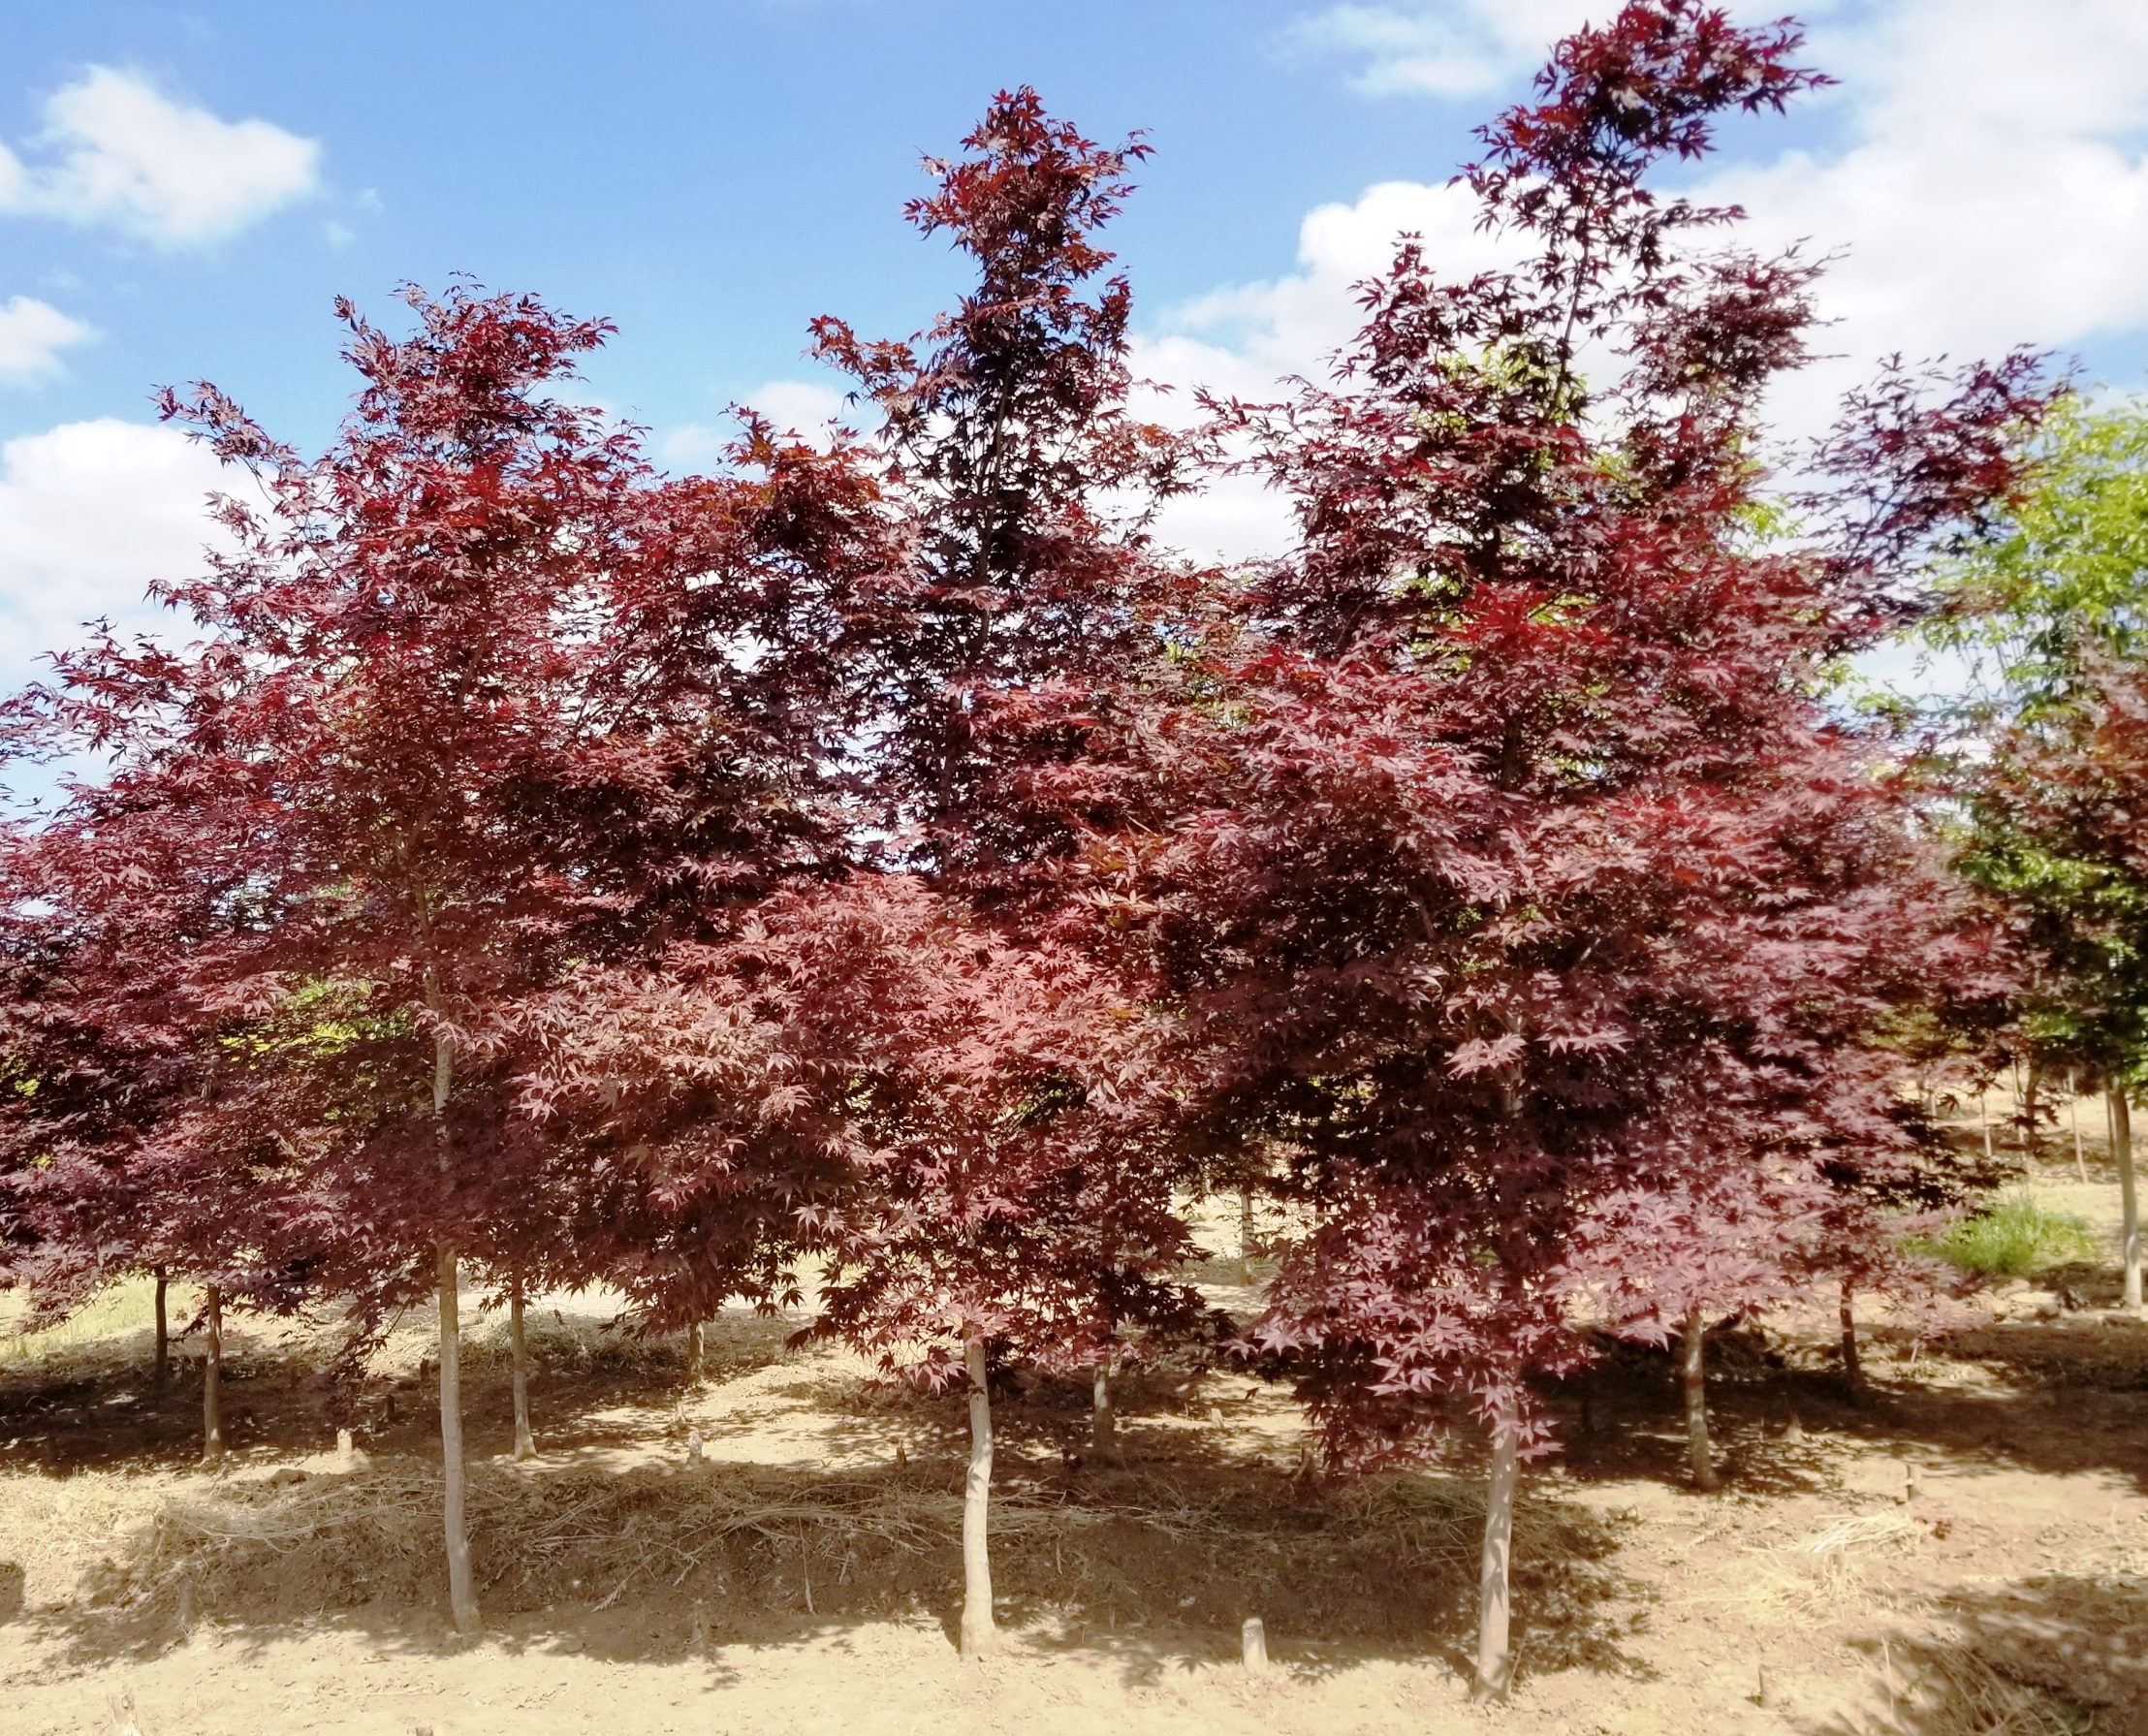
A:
[1964,1550]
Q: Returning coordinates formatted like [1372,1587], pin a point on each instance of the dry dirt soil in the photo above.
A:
[1962,1549]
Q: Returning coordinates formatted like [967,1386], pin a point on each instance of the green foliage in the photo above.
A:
[2045,613]
[2016,1234]
[2068,577]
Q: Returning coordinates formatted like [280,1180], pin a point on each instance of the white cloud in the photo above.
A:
[794,406]
[1993,190]
[1987,186]
[32,335]
[1451,50]
[1241,342]
[91,512]
[124,155]
[800,406]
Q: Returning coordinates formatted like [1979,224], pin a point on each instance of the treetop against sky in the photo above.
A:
[184,191]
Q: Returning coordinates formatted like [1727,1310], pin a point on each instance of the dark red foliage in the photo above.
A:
[1023,485]
[1920,457]
[978,1128]
[467,716]
[1521,893]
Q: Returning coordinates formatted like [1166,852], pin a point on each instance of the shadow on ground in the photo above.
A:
[1156,1570]
[2058,1654]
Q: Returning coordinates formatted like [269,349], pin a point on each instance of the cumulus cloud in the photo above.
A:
[1985,186]
[32,335]
[116,152]
[90,513]
[1993,189]
[1244,342]
[1452,49]
[794,406]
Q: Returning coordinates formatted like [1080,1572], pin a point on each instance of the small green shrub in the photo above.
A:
[2016,1234]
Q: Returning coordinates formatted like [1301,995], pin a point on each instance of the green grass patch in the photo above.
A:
[2014,1235]
[116,1310]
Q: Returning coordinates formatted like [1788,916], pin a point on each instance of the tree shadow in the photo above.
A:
[2056,1654]
[96,1410]
[1157,1570]
[2062,1398]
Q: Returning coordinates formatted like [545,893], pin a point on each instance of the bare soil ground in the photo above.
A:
[1965,1550]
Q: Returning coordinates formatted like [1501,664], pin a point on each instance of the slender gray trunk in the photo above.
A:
[447,1284]
[979,1634]
[2129,1193]
[1246,1237]
[461,1593]
[526,1448]
[1853,1370]
[696,1355]
[162,1374]
[212,1375]
[1693,1367]
[1495,1658]
[1103,1420]
[2074,1115]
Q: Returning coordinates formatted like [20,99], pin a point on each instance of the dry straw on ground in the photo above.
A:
[759,1540]
[1946,1689]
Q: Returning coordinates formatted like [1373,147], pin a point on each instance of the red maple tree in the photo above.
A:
[467,717]
[1518,887]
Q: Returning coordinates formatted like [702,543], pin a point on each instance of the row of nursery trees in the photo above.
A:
[534,871]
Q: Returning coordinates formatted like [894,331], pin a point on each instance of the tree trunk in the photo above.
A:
[212,1376]
[1245,1234]
[1693,1365]
[163,1375]
[526,1448]
[1103,1421]
[461,1595]
[2074,1115]
[696,1355]
[979,1634]
[1495,1656]
[1853,1370]
[2129,1193]
[2030,1091]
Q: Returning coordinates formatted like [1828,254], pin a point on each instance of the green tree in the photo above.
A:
[2051,618]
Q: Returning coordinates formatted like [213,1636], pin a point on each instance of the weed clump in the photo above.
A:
[2016,1235]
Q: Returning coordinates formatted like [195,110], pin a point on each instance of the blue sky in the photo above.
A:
[186,187]
[710,174]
